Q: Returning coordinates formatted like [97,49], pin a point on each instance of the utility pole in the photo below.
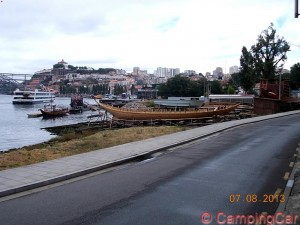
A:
[296,9]
[279,94]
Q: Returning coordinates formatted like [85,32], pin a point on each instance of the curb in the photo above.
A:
[125,160]
[288,187]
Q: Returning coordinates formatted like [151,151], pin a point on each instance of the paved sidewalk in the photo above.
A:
[41,174]
[292,190]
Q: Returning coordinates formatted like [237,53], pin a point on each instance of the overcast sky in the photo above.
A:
[187,34]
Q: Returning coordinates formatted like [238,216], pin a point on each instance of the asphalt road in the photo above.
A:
[175,187]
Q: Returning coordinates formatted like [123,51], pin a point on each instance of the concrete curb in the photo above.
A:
[288,188]
[134,157]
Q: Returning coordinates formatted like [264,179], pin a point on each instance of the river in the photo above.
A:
[17,130]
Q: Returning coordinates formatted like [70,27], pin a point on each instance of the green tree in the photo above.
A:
[58,65]
[176,86]
[235,80]
[71,67]
[230,90]
[105,70]
[119,89]
[264,60]
[180,86]
[247,75]
[295,76]
[216,88]
[269,53]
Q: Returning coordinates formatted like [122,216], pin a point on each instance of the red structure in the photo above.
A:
[271,89]
[274,98]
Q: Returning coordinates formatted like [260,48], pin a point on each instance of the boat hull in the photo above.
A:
[59,113]
[29,102]
[131,114]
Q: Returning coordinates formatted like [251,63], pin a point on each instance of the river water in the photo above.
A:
[17,130]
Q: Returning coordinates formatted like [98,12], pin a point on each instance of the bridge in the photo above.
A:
[15,76]
[10,81]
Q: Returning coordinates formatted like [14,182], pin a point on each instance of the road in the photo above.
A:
[175,187]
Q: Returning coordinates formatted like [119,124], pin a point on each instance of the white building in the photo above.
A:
[174,72]
[136,70]
[120,72]
[189,72]
[161,72]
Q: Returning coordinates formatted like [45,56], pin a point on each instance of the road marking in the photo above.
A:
[286,176]
[290,183]
[278,191]
[291,164]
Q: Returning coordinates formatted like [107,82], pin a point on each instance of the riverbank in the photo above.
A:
[74,143]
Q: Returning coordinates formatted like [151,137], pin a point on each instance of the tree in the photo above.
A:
[269,53]
[264,60]
[216,87]
[71,67]
[180,86]
[58,65]
[235,80]
[295,76]
[230,90]
[175,86]
[119,89]
[247,75]
[105,70]
[133,90]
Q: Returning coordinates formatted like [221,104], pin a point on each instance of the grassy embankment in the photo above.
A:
[71,143]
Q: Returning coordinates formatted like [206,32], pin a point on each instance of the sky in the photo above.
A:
[195,35]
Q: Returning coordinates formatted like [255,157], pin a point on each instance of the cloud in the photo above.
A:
[168,24]
[191,34]
[281,21]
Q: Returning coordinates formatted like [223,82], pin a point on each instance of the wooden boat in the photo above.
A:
[161,114]
[53,111]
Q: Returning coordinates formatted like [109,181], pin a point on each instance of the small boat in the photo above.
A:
[34,114]
[32,97]
[76,104]
[160,114]
[54,111]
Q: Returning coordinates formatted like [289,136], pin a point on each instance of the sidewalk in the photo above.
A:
[37,175]
[292,206]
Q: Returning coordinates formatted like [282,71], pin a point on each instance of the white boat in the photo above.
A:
[32,97]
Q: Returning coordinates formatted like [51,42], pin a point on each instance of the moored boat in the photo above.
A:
[54,111]
[76,104]
[161,114]
[32,97]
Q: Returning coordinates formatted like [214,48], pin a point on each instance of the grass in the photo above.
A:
[72,143]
